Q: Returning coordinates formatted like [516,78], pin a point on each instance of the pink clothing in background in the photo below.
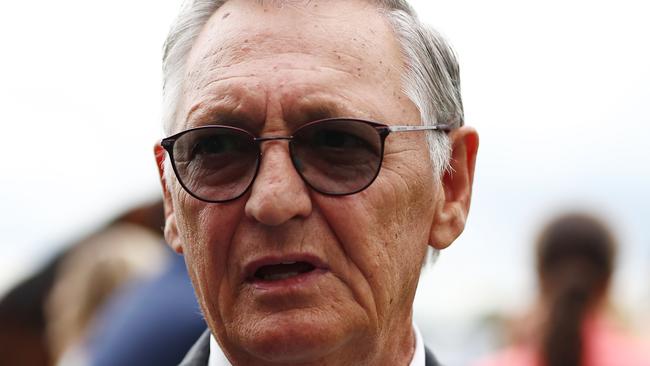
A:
[605,345]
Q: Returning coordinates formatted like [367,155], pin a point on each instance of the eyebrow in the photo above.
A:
[211,112]
[309,108]
[311,112]
[318,108]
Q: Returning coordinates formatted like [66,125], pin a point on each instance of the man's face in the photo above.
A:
[270,70]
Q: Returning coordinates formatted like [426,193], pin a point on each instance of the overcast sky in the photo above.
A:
[557,89]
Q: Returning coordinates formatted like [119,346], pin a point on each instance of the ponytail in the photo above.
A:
[575,261]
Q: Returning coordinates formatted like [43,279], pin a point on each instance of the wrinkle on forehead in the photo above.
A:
[349,51]
[236,105]
[341,52]
[261,67]
[252,31]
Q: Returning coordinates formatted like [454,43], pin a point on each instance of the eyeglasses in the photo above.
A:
[335,156]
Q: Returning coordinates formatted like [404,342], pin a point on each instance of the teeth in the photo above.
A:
[280,276]
[289,262]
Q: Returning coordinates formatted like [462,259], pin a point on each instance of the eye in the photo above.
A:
[336,139]
[216,144]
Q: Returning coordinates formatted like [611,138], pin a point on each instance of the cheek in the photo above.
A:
[381,239]
[207,230]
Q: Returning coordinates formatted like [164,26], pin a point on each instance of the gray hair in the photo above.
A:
[431,80]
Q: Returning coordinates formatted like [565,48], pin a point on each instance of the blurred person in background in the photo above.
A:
[151,322]
[135,303]
[45,317]
[304,223]
[95,298]
[87,278]
[570,325]
[22,319]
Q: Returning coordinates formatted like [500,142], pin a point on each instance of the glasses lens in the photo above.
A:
[216,163]
[337,157]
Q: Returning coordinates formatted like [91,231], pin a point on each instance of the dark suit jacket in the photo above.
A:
[198,355]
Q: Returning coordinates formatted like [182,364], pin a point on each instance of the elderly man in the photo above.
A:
[316,150]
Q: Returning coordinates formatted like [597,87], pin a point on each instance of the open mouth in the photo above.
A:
[282,271]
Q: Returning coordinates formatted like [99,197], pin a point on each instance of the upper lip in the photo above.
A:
[254,265]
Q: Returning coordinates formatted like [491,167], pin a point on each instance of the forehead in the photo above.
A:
[285,26]
[297,51]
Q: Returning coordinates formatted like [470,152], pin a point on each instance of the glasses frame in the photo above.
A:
[383,131]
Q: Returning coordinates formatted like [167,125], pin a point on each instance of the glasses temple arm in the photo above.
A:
[418,128]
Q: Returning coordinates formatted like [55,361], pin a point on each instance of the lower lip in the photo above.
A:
[297,282]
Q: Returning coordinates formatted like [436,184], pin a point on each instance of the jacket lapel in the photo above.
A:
[429,358]
[199,353]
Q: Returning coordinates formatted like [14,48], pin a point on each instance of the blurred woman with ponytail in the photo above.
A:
[568,327]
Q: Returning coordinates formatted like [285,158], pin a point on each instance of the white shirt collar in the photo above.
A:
[217,358]
[419,356]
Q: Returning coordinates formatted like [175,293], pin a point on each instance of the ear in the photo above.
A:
[171,228]
[451,214]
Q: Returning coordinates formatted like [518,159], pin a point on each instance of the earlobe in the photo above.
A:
[171,228]
[171,233]
[451,213]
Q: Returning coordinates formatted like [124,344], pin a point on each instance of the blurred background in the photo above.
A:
[558,91]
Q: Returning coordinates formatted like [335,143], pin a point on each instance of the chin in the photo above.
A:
[296,337]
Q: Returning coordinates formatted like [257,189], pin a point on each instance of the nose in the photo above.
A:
[278,193]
